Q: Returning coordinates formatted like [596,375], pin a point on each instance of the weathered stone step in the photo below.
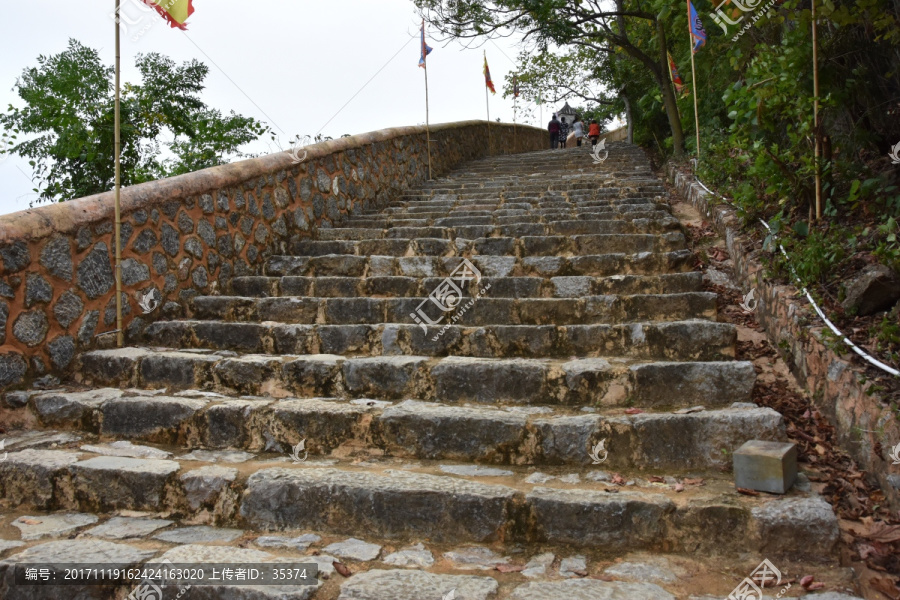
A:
[501,287]
[417,429]
[587,382]
[569,227]
[408,503]
[544,216]
[411,205]
[489,311]
[496,246]
[598,265]
[683,341]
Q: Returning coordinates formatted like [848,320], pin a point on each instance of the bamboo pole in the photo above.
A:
[427,118]
[694,81]
[487,103]
[120,337]
[816,136]
[515,125]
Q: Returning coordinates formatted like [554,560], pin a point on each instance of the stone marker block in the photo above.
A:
[765,466]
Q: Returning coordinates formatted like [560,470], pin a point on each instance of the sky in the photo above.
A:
[293,64]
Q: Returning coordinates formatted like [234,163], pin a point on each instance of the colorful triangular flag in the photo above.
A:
[676,78]
[426,49]
[487,76]
[176,12]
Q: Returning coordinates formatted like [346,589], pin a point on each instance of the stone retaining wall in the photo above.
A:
[616,135]
[839,385]
[190,234]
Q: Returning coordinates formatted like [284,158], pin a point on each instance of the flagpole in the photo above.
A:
[816,137]
[487,103]
[427,121]
[693,79]
[515,125]
[120,337]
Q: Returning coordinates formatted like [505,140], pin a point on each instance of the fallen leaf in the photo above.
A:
[679,487]
[886,587]
[618,479]
[30,521]
[806,581]
[656,479]
[633,411]
[342,569]
[816,586]
[689,481]
[747,492]
[510,568]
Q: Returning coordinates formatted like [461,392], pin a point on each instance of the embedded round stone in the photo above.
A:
[354,549]
[134,272]
[12,368]
[590,589]
[417,585]
[56,257]
[68,308]
[412,556]
[95,272]
[120,528]
[55,525]
[199,534]
[37,290]
[62,351]
[31,327]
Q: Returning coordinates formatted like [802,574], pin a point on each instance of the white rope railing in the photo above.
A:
[871,360]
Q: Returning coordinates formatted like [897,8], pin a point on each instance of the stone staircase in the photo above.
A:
[573,424]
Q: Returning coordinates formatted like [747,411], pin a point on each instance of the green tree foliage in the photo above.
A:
[607,32]
[66,128]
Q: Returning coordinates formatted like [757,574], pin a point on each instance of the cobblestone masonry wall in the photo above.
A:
[189,235]
[839,387]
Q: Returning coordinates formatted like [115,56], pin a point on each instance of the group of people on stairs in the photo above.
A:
[563,135]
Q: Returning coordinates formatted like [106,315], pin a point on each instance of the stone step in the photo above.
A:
[570,227]
[596,265]
[501,287]
[544,217]
[416,429]
[591,382]
[473,206]
[679,340]
[403,502]
[495,246]
[489,311]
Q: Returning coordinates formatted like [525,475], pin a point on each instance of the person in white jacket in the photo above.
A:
[578,130]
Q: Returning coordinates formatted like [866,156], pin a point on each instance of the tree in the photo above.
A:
[66,127]
[588,24]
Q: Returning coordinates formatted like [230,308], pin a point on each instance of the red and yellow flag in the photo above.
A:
[176,12]
[487,77]
[675,77]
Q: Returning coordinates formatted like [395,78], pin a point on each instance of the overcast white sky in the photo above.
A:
[298,60]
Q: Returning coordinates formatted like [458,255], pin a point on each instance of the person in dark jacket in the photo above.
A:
[563,132]
[553,128]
